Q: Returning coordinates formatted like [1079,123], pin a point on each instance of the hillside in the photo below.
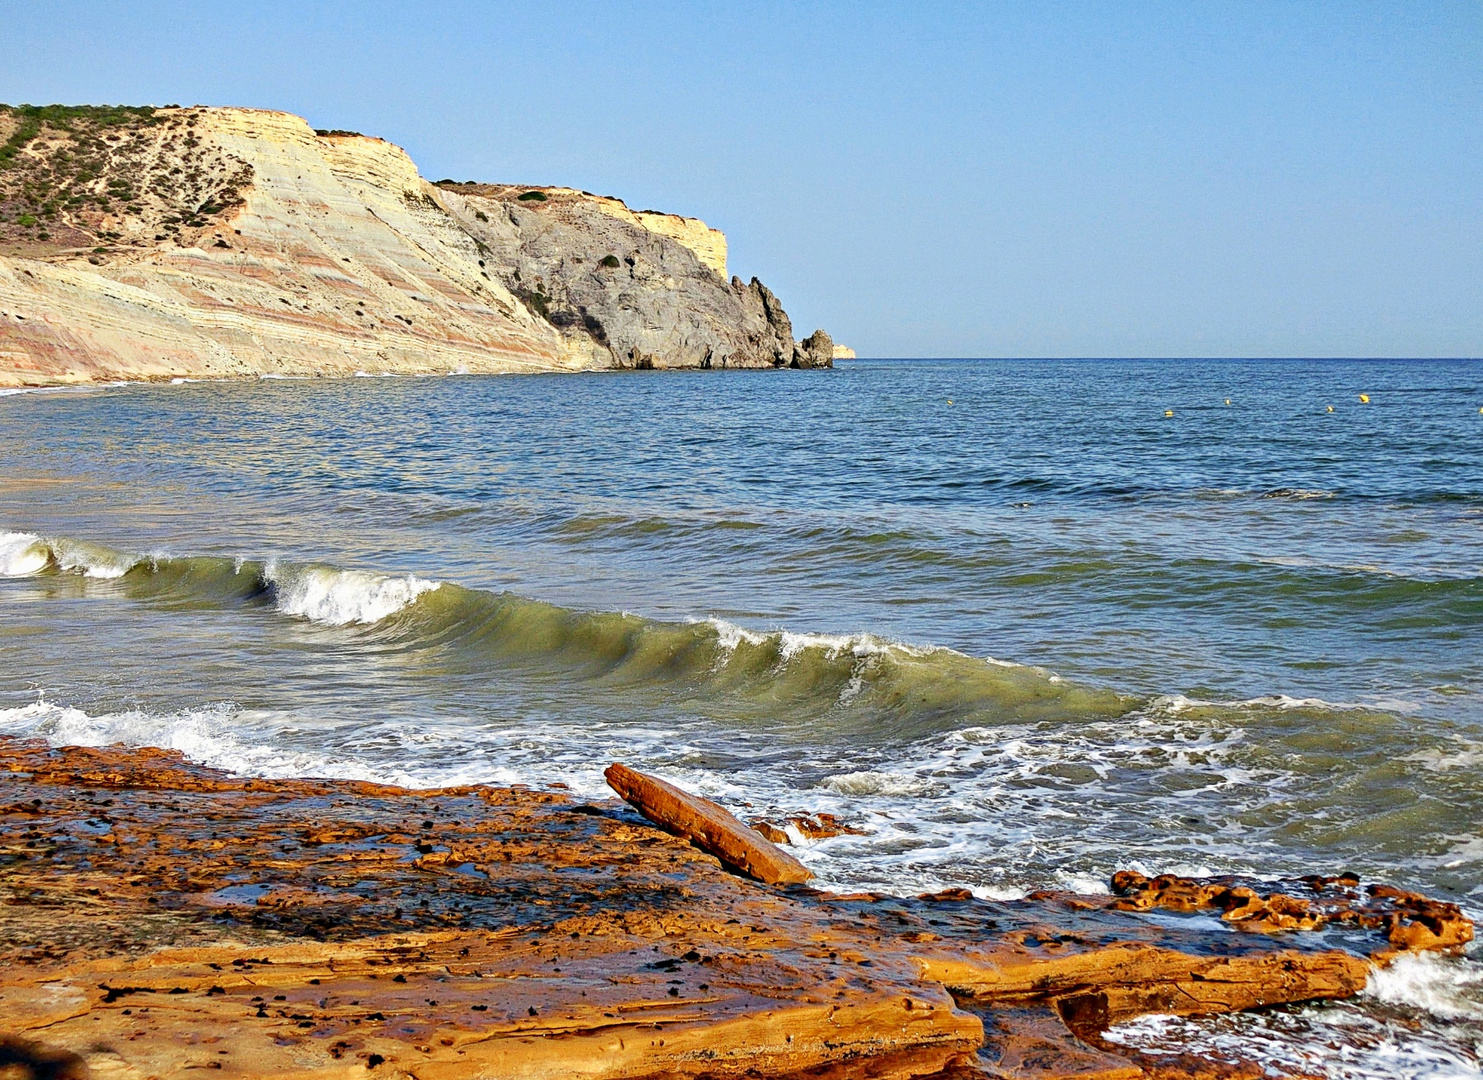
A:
[140,243]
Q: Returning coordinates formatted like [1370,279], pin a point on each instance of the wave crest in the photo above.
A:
[22,554]
[323,594]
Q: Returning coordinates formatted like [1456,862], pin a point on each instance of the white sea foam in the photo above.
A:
[1443,986]
[1464,850]
[85,388]
[1337,1042]
[791,645]
[871,782]
[729,636]
[92,560]
[1178,703]
[22,554]
[211,735]
[1462,754]
[1297,494]
[341,597]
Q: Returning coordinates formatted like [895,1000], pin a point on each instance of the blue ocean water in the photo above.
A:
[1025,622]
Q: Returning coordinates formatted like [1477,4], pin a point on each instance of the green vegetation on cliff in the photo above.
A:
[82,176]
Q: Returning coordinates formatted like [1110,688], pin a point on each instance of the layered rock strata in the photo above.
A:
[161,918]
[205,242]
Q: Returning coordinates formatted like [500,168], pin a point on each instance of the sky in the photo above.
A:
[976,179]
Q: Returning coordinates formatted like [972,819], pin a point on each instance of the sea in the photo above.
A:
[1021,622]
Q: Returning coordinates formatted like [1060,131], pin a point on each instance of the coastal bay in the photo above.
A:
[1015,644]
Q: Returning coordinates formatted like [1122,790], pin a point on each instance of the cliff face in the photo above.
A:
[148,244]
[627,290]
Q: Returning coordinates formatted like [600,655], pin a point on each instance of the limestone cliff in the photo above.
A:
[156,243]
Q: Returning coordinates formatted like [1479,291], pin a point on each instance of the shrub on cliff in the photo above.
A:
[532,196]
[608,262]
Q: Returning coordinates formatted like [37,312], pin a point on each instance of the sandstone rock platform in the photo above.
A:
[161,917]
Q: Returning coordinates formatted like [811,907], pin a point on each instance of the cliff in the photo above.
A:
[203,242]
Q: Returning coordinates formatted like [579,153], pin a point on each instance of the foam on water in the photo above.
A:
[790,645]
[1419,1019]
[1456,753]
[211,735]
[91,560]
[340,597]
[1442,986]
[888,784]
[22,554]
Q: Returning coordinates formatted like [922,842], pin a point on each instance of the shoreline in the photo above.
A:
[163,916]
[102,383]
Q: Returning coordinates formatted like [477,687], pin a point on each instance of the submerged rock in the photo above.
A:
[159,918]
[818,826]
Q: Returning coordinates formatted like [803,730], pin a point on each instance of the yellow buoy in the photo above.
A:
[1365,398]
[1168,412]
[949,401]
[1331,408]
[1228,401]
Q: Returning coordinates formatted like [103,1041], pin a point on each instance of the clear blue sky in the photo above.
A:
[978,179]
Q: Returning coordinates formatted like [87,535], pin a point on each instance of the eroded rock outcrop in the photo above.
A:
[628,290]
[201,242]
[160,918]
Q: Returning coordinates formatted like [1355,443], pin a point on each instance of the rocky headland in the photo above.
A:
[160,918]
[143,243]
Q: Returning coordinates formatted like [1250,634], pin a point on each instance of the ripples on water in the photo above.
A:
[1244,637]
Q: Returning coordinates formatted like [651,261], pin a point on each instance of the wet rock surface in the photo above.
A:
[160,917]
[818,826]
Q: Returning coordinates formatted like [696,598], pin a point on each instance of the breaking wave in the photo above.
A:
[22,554]
[1439,985]
[320,594]
[340,597]
[918,689]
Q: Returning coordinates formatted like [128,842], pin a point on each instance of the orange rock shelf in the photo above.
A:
[161,918]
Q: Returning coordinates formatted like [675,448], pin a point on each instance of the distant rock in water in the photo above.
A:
[144,243]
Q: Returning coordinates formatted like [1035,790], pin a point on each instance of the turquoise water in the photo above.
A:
[1008,616]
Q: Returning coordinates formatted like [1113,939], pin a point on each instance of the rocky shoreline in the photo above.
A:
[161,917]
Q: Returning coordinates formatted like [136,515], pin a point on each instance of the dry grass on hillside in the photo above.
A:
[99,180]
